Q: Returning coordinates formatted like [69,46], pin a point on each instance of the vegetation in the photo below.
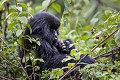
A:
[93,25]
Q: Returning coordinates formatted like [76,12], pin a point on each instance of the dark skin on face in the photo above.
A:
[45,27]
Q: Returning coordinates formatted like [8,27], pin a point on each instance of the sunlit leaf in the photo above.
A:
[117,37]
[38,43]
[72,53]
[38,7]
[19,32]
[28,25]
[93,21]
[23,19]
[67,58]
[11,14]
[45,4]
[19,8]
[70,65]
[3,1]
[24,5]
[11,25]
[57,7]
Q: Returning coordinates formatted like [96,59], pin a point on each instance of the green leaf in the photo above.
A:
[60,72]
[28,25]
[24,5]
[38,8]
[36,68]
[117,37]
[3,1]
[37,59]
[24,13]
[23,19]
[11,25]
[30,39]
[88,27]
[56,73]
[70,65]
[11,14]
[19,32]
[19,8]
[33,39]
[25,59]
[57,7]
[93,21]
[73,51]
[67,58]
[90,42]
[45,4]
[98,73]
[38,43]
[69,1]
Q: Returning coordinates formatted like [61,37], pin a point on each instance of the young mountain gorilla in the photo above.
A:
[45,27]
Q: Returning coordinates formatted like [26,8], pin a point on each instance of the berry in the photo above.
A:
[97,37]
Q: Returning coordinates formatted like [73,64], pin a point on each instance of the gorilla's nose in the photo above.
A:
[56,36]
[55,39]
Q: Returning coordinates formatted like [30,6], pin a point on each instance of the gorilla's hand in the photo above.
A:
[64,47]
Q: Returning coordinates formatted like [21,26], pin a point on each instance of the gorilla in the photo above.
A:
[45,28]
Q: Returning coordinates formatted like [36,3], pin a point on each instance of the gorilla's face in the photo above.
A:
[51,36]
[47,34]
[45,26]
[55,40]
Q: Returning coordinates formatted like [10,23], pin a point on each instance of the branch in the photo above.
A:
[7,78]
[1,12]
[3,56]
[5,21]
[107,53]
[105,39]
[72,69]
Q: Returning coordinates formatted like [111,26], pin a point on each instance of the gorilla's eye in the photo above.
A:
[39,31]
[52,30]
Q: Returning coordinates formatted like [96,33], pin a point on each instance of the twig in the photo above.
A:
[7,78]
[107,53]
[5,21]
[7,60]
[105,39]
[1,12]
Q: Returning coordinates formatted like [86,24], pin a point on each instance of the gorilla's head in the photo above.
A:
[44,26]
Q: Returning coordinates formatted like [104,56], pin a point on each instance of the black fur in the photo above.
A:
[45,27]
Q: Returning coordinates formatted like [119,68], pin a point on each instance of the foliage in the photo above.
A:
[86,22]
